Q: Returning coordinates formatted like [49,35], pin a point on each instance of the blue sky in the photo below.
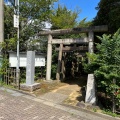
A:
[87,7]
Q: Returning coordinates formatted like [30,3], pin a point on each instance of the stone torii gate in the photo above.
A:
[89,40]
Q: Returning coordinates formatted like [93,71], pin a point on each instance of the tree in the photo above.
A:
[63,18]
[106,66]
[84,23]
[8,22]
[33,15]
[108,14]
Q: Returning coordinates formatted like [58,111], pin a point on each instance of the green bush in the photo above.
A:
[105,65]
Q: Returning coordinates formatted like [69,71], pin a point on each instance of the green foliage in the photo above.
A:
[54,63]
[108,112]
[94,109]
[84,23]
[93,65]
[9,30]
[53,71]
[108,14]
[5,64]
[33,15]
[9,45]
[63,18]
[105,65]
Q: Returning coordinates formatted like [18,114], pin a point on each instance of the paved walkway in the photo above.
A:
[18,106]
[60,94]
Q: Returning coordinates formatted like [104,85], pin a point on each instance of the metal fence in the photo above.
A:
[10,77]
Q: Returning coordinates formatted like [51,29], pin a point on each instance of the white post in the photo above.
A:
[49,58]
[1,20]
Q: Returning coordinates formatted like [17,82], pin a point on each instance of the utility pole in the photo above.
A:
[16,25]
[18,56]
[1,29]
[1,21]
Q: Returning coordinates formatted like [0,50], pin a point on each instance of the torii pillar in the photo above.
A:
[49,58]
[91,42]
[59,62]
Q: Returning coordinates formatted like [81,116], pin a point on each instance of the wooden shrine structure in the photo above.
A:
[89,40]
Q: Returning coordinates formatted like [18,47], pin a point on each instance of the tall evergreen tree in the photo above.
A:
[108,14]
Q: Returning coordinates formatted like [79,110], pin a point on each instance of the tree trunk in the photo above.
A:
[113,99]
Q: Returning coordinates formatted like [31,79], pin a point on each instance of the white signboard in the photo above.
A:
[39,60]
[16,21]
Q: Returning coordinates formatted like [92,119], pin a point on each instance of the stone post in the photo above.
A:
[30,67]
[49,58]
[90,92]
[59,62]
[30,71]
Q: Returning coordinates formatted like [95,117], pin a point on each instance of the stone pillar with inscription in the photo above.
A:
[30,71]
[90,92]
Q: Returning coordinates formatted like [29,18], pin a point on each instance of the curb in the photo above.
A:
[105,116]
[20,91]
